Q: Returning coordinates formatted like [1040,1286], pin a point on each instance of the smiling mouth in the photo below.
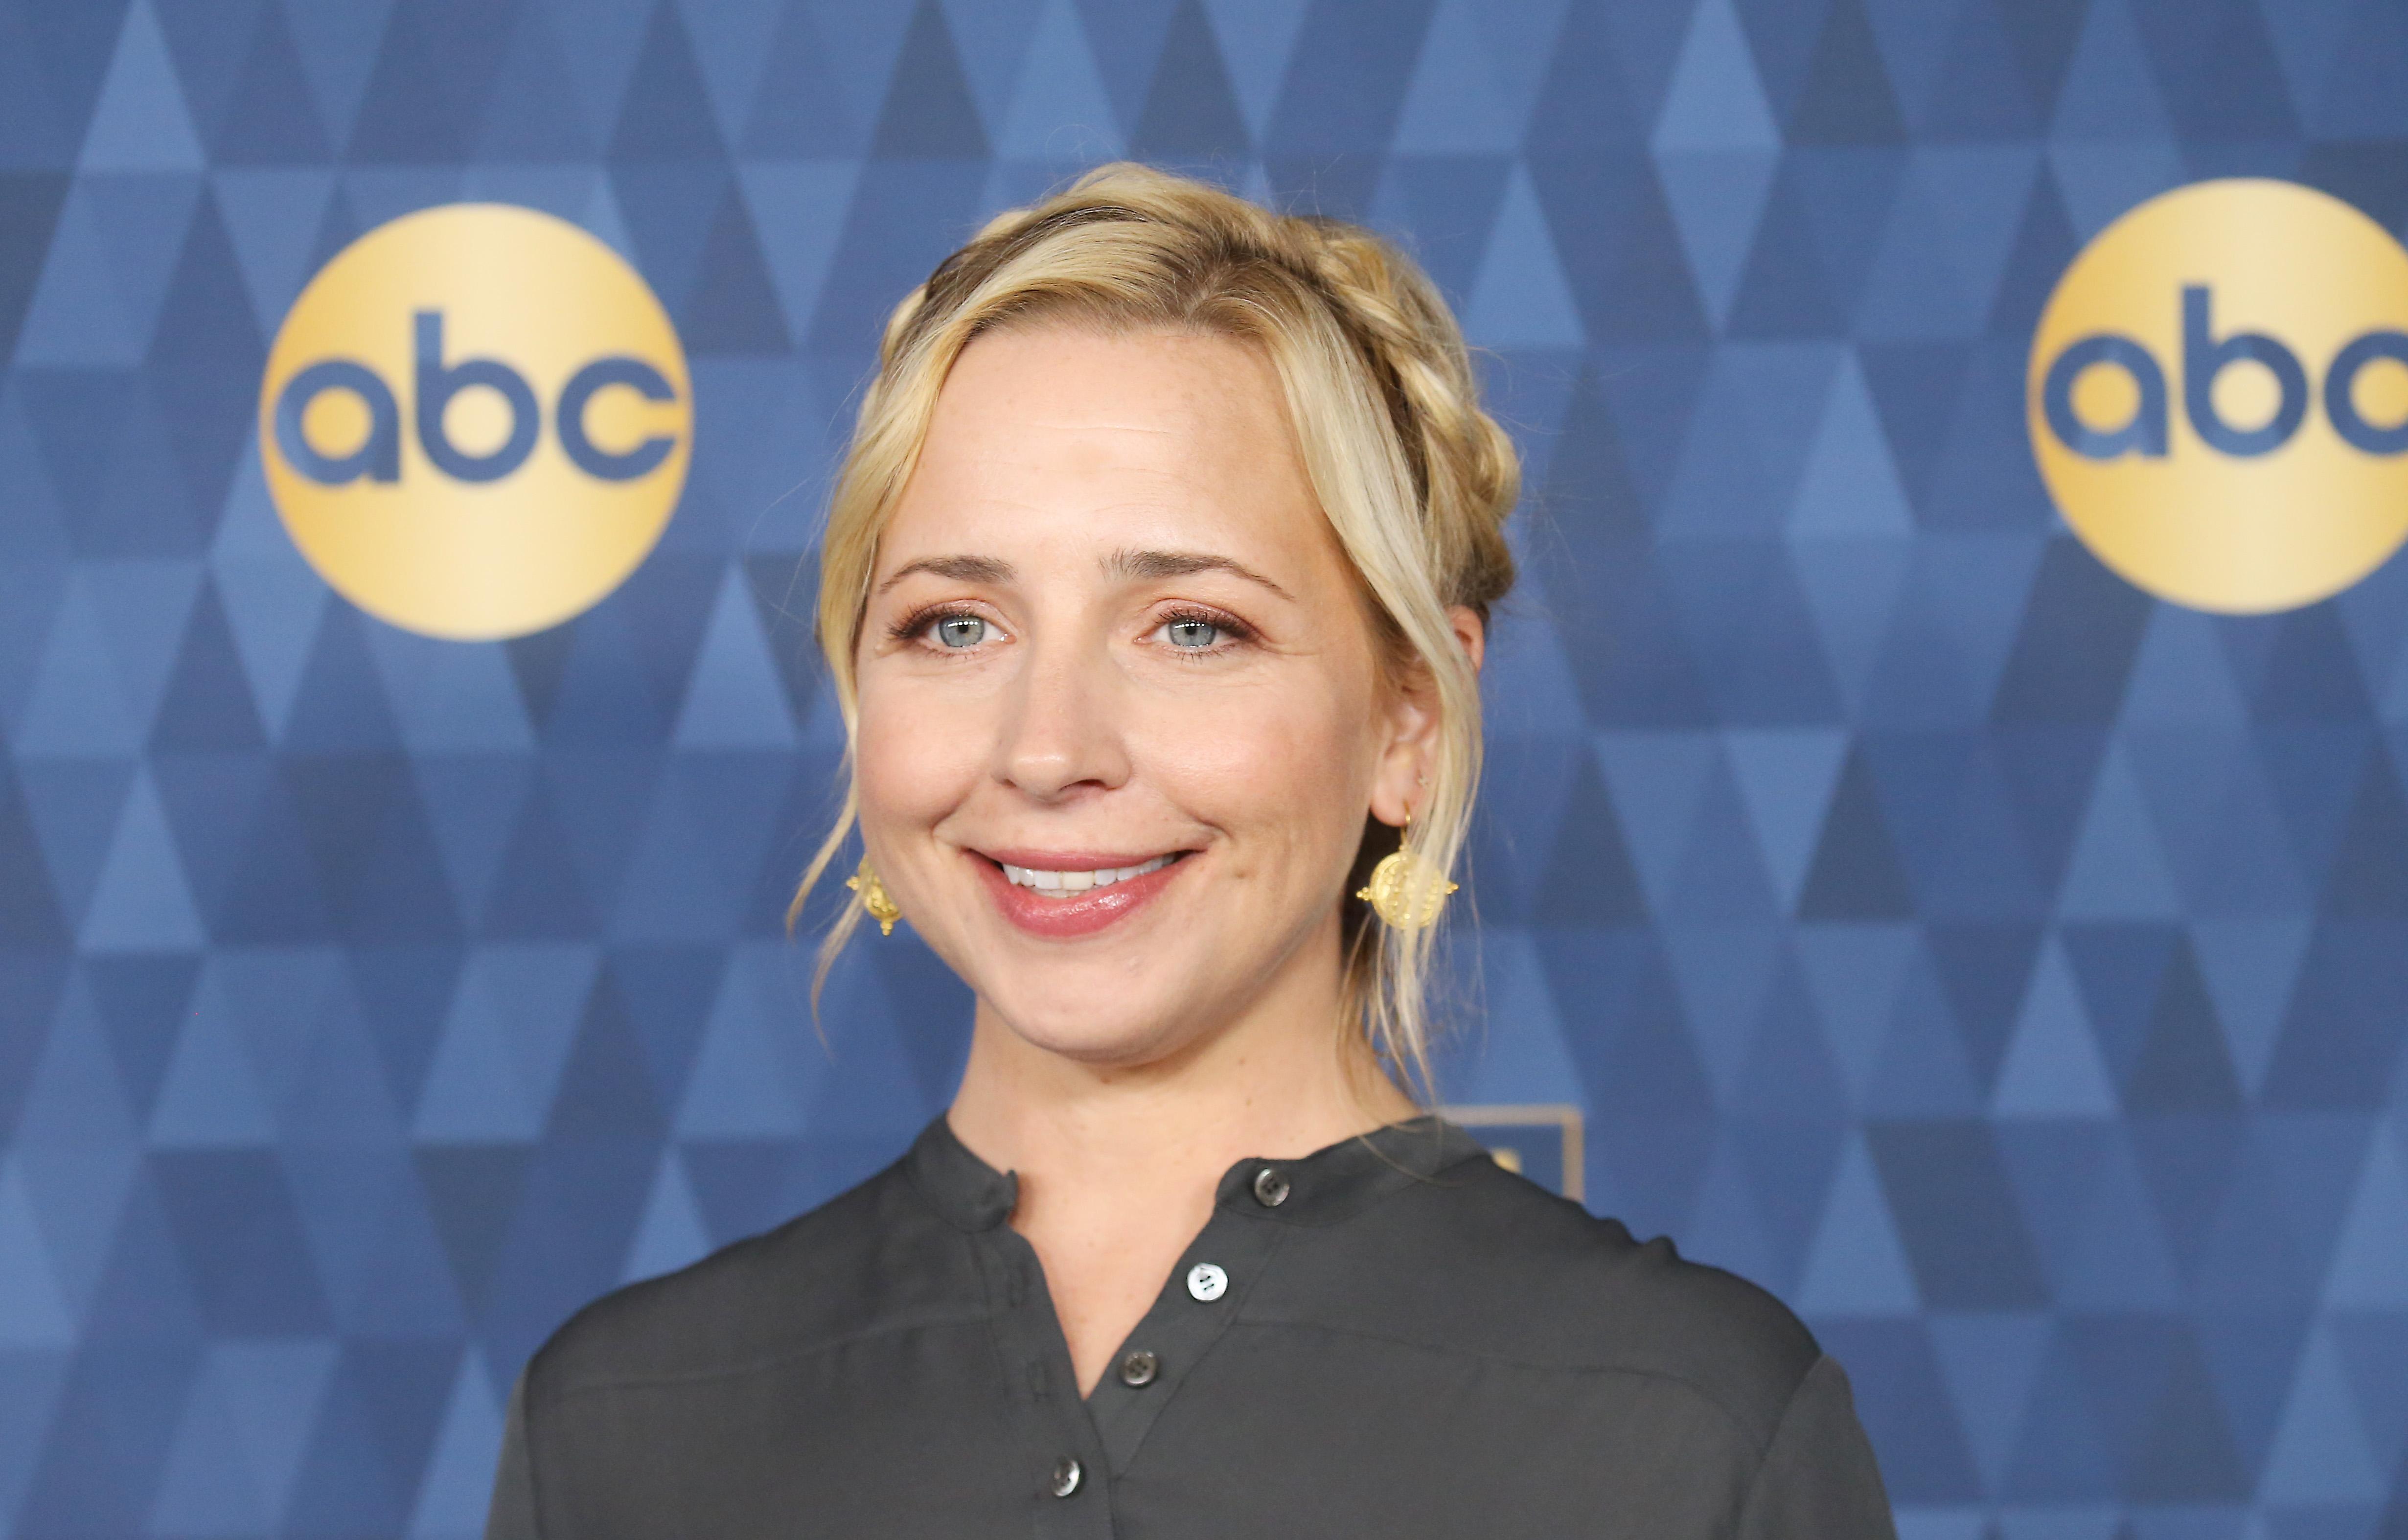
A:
[1069,884]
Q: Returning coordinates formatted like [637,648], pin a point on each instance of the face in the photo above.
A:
[1122,709]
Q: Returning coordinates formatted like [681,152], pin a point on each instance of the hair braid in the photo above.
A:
[1465,469]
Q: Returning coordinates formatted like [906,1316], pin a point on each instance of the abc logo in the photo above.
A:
[2218,396]
[476,421]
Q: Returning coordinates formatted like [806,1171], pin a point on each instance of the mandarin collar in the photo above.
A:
[1320,1188]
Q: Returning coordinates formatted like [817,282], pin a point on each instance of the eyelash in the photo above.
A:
[916,626]
[1233,631]
[916,623]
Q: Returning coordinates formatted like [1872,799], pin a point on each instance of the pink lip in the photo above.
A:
[1065,919]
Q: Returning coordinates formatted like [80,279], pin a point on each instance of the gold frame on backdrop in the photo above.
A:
[1535,1115]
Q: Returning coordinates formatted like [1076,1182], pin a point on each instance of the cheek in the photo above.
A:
[913,764]
[1284,764]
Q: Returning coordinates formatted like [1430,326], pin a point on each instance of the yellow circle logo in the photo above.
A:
[476,421]
[2218,396]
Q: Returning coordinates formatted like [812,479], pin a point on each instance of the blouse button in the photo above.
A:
[1206,1282]
[1139,1369]
[1270,1188]
[1066,1477]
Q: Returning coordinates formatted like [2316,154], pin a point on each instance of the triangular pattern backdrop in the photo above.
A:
[2007,968]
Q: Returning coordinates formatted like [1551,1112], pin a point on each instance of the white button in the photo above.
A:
[1206,1282]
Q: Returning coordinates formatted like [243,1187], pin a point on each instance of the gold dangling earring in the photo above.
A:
[882,909]
[1407,890]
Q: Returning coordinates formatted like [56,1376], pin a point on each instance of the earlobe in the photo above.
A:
[1404,768]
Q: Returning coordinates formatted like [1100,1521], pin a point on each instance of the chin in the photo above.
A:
[1063,1019]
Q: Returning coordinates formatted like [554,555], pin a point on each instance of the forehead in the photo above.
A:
[1081,440]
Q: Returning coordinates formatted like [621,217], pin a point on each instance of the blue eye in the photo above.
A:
[961,630]
[1193,633]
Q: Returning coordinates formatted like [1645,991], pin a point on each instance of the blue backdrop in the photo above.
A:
[2007,968]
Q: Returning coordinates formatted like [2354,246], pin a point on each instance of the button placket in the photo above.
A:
[1199,1302]
[1103,1434]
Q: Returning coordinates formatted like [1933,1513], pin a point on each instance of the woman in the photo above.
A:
[1154,590]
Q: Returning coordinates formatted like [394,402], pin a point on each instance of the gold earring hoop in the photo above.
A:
[1407,890]
[874,899]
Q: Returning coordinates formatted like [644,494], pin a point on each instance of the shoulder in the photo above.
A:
[870,1259]
[1538,1279]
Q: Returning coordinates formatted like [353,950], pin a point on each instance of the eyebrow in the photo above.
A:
[1146,565]
[1134,566]
[959,569]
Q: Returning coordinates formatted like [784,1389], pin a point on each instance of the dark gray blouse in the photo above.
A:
[1392,1337]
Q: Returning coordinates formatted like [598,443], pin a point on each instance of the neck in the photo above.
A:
[1118,1163]
[1284,1079]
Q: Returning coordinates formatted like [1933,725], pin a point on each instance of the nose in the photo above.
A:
[1061,730]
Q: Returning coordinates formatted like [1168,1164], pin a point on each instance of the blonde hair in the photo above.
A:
[1415,480]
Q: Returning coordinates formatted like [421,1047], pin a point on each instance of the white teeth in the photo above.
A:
[1060,884]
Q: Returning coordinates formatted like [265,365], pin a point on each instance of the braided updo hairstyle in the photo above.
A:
[1414,478]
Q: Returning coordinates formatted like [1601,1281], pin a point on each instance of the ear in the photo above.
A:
[1472,631]
[1413,721]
